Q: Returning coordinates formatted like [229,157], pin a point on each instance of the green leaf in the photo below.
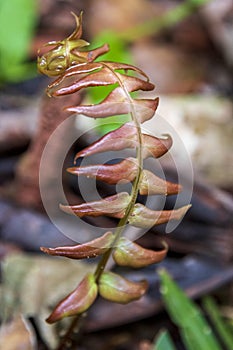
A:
[118,47]
[195,331]
[18,20]
[216,319]
[163,342]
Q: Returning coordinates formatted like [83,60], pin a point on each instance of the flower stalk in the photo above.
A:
[76,68]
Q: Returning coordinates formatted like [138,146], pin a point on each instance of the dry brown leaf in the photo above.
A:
[17,334]
[24,290]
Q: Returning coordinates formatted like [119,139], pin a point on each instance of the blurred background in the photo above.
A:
[186,48]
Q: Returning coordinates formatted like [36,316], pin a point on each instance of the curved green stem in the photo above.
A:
[134,192]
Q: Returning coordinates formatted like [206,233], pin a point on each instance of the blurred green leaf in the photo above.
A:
[118,47]
[216,319]
[17,24]
[163,342]
[173,16]
[195,331]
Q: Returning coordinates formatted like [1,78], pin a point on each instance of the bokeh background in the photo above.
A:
[186,48]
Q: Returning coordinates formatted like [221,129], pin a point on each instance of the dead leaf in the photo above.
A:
[34,284]
[17,334]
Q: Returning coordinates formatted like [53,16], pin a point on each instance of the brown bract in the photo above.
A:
[77,301]
[126,137]
[111,206]
[133,255]
[124,171]
[90,249]
[118,289]
[151,184]
[147,218]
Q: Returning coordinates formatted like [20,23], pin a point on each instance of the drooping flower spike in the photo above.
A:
[76,69]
